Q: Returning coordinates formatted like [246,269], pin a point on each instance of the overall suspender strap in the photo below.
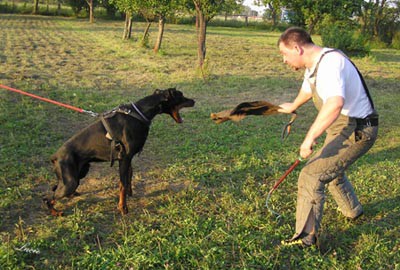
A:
[364,85]
[359,74]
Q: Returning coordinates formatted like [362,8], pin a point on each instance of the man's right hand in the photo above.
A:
[287,108]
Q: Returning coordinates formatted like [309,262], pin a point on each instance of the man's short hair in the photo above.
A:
[295,35]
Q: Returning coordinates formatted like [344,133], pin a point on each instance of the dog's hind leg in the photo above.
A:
[84,170]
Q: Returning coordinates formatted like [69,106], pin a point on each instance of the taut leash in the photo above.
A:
[93,114]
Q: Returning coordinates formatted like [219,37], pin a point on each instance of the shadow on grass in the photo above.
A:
[380,217]
[386,155]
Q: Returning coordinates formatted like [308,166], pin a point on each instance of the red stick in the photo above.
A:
[297,162]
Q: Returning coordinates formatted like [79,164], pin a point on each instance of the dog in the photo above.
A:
[252,108]
[117,135]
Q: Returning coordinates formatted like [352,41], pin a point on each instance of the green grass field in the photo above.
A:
[199,188]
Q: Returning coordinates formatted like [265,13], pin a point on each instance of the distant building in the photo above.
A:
[259,9]
[285,15]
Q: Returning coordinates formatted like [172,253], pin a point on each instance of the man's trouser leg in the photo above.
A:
[340,150]
[343,193]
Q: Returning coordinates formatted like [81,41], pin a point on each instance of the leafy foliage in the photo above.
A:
[311,13]
[77,5]
[344,38]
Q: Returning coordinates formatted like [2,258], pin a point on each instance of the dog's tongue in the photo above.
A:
[177,117]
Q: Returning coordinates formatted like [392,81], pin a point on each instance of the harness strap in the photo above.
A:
[115,145]
[135,113]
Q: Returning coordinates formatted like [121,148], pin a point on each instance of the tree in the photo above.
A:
[311,13]
[273,7]
[162,9]
[76,6]
[91,10]
[129,7]
[110,8]
[380,19]
[205,10]
[35,7]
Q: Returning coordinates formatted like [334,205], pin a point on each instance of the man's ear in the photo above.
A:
[299,49]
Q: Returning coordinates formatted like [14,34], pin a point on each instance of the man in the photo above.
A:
[346,114]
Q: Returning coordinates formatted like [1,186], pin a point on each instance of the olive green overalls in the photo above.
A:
[345,142]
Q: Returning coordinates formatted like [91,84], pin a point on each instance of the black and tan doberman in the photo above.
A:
[117,135]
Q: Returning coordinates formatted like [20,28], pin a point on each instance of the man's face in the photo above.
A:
[291,55]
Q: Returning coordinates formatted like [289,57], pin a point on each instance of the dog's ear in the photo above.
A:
[164,95]
[157,92]
[171,92]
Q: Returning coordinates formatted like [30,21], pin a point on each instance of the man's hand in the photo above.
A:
[326,116]
[286,108]
[306,148]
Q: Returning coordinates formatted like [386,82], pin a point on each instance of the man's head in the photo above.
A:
[291,45]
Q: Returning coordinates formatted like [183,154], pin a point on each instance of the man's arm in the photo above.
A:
[329,112]
[301,98]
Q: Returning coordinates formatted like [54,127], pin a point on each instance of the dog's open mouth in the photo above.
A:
[177,116]
[175,111]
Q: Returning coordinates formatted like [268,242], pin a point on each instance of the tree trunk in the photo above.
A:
[58,7]
[366,18]
[91,11]
[145,37]
[378,15]
[35,7]
[273,15]
[128,26]
[161,24]
[197,24]
[201,38]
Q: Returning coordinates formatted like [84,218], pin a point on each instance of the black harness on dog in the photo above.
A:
[118,149]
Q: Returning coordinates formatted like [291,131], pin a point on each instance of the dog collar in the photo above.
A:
[140,113]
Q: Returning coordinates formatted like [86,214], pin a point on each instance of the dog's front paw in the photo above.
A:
[50,206]
[123,209]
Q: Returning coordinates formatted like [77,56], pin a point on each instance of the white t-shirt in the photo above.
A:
[336,76]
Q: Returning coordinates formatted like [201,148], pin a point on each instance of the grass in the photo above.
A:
[199,188]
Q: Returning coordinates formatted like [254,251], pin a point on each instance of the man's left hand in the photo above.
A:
[306,148]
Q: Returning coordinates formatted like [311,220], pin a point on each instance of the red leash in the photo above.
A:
[49,100]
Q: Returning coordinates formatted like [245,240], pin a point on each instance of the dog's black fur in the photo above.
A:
[72,161]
